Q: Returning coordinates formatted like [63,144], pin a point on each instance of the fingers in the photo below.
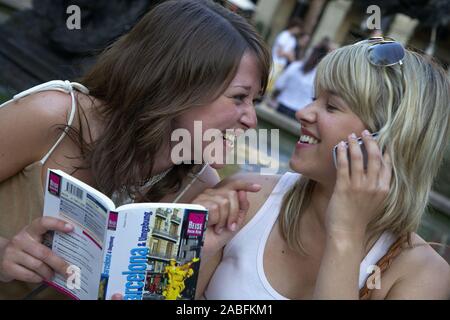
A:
[386,172]
[379,169]
[28,242]
[356,156]
[117,296]
[26,259]
[343,174]
[19,265]
[234,210]
[227,204]
[239,185]
[224,209]
[374,158]
[41,225]
[15,271]
[238,196]
[34,265]
[244,204]
[46,255]
[213,210]
[228,211]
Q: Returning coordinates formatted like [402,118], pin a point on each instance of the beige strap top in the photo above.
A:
[21,196]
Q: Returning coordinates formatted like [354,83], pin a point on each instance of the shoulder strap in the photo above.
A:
[64,86]
[58,85]
[190,184]
[384,263]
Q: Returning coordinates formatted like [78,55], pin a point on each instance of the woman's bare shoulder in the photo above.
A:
[29,127]
[419,272]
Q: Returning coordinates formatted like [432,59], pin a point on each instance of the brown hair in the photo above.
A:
[295,22]
[317,54]
[180,55]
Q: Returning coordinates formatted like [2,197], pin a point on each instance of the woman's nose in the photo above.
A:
[306,114]
[249,118]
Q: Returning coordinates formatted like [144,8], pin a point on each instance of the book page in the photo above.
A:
[86,209]
[155,251]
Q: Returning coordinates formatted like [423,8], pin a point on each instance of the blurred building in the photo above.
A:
[344,22]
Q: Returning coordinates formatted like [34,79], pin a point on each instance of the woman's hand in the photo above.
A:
[117,296]
[359,194]
[227,205]
[25,258]
[358,197]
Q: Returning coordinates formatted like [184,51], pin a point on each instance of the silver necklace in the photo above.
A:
[150,182]
[123,196]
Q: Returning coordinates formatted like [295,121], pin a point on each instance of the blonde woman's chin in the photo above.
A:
[299,166]
[295,165]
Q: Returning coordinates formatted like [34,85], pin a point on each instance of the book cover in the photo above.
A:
[144,251]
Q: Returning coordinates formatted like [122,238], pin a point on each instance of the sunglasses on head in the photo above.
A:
[384,51]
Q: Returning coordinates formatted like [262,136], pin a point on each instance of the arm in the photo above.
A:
[228,206]
[208,266]
[339,269]
[356,199]
[27,131]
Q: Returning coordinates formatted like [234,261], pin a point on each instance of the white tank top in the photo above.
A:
[240,275]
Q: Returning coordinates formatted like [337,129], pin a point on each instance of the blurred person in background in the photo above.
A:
[302,46]
[283,50]
[294,89]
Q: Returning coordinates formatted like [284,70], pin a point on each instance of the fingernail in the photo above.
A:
[353,136]
[342,144]
[219,231]
[68,226]
[366,133]
[233,226]
[255,185]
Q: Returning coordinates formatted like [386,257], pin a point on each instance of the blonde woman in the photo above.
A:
[319,233]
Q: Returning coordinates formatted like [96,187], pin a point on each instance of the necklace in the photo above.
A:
[150,182]
[122,196]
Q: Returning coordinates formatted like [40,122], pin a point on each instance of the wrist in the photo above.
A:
[346,231]
[345,241]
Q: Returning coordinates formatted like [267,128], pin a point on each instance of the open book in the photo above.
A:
[141,250]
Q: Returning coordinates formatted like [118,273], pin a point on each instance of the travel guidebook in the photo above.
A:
[144,251]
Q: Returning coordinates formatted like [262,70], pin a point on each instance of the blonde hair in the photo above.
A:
[409,105]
